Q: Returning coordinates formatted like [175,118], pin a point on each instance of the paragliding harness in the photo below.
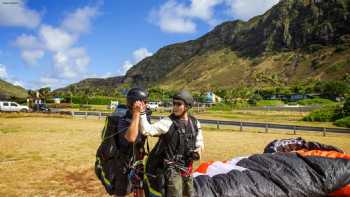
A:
[174,150]
[109,156]
[136,169]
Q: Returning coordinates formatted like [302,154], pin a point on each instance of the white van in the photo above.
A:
[9,106]
[153,105]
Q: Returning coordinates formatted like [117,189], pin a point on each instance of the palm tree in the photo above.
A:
[45,93]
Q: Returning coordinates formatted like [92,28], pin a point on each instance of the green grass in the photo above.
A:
[221,107]
[269,103]
[316,101]
[9,130]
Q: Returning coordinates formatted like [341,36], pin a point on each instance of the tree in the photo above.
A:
[4,96]
[87,93]
[44,93]
[73,89]
[346,107]
[298,89]
[332,89]
[31,94]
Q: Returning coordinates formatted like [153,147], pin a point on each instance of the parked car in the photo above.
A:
[120,110]
[42,107]
[152,106]
[9,106]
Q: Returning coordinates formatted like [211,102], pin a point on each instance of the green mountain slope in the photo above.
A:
[296,40]
[94,86]
[8,90]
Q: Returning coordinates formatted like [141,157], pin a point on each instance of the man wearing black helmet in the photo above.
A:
[130,140]
[169,166]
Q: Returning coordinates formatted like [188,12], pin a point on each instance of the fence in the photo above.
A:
[240,124]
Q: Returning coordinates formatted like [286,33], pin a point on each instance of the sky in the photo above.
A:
[53,43]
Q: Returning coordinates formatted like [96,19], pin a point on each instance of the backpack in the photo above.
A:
[107,154]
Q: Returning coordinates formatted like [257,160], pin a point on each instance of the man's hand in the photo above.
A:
[199,151]
[132,132]
[138,107]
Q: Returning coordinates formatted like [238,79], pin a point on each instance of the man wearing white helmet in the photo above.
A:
[169,166]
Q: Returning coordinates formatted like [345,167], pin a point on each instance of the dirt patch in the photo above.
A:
[84,180]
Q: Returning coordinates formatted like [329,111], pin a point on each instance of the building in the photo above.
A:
[57,100]
[210,97]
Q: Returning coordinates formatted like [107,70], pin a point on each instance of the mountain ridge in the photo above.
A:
[295,41]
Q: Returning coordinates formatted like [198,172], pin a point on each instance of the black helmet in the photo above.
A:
[185,96]
[136,94]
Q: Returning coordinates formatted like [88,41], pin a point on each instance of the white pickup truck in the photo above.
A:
[9,106]
[153,106]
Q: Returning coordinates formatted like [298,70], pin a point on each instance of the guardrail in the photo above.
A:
[240,124]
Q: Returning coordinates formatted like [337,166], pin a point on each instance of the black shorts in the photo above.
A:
[123,185]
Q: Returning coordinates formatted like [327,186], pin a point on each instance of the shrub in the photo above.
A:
[346,107]
[98,100]
[228,106]
[316,101]
[61,105]
[344,122]
[326,114]
[254,99]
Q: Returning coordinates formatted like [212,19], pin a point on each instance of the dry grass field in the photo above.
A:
[54,156]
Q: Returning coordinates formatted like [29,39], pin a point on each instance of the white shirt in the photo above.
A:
[162,126]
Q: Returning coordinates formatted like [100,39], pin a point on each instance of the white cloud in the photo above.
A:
[25,41]
[5,76]
[203,9]
[140,54]
[126,66]
[71,63]
[31,48]
[246,9]
[104,75]
[16,13]
[48,82]
[17,83]
[176,17]
[3,72]
[80,20]
[32,56]
[45,81]
[55,39]
[172,19]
